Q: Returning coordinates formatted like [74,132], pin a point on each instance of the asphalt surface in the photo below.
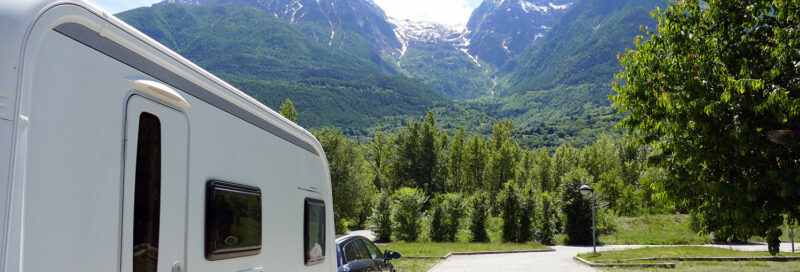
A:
[558,260]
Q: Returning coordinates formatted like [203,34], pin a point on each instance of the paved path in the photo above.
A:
[559,260]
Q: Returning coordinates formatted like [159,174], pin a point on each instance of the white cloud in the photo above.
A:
[451,12]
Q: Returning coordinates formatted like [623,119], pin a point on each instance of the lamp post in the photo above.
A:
[585,190]
[783,137]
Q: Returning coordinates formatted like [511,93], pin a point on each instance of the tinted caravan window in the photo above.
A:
[233,220]
[147,194]
[314,231]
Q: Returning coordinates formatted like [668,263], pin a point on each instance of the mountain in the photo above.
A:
[272,60]
[437,55]
[569,71]
[582,47]
[500,29]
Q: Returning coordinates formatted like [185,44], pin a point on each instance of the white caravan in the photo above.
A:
[117,154]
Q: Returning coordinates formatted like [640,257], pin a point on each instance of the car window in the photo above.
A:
[350,252]
[373,250]
[362,250]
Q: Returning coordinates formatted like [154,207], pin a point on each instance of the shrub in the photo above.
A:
[477,218]
[453,208]
[547,221]
[382,218]
[510,212]
[407,213]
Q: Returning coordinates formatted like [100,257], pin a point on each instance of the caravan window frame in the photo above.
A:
[314,203]
[213,249]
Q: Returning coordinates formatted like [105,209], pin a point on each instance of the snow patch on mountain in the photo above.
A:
[528,7]
[420,32]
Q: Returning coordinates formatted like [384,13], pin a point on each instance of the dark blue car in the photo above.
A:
[356,253]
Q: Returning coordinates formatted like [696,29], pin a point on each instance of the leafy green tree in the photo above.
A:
[405,171]
[288,111]
[527,214]
[703,89]
[478,214]
[407,213]
[455,162]
[378,154]
[382,218]
[475,158]
[544,171]
[510,211]
[564,160]
[348,176]
[501,169]
[576,208]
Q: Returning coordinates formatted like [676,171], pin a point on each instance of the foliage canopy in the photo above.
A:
[704,89]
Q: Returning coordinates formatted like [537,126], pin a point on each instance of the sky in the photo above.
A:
[451,12]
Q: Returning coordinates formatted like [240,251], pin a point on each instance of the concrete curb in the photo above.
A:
[721,259]
[479,253]
[652,265]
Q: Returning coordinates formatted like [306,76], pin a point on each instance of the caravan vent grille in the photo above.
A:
[4,108]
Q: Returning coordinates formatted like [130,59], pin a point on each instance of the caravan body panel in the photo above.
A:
[68,174]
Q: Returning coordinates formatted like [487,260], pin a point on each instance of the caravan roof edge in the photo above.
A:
[22,16]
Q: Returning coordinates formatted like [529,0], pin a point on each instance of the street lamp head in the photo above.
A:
[585,189]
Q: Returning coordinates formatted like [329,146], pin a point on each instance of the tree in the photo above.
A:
[382,218]
[378,153]
[455,161]
[511,211]
[475,157]
[544,171]
[348,176]
[288,111]
[576,208]
[477,218]
[438,231]
[703,89]
[527,214]
[547,221]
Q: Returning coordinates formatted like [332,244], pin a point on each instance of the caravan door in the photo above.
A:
[154,188]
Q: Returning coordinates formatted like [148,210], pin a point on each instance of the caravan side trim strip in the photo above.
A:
[118,52]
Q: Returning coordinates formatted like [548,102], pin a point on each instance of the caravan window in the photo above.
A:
[147,194]
[314,231]
[233,220]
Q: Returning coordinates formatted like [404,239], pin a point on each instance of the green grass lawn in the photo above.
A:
[718,266]
[414,265]
[625,256]
[670,229]
[621,256]
[441,249]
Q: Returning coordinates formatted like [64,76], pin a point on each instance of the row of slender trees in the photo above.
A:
[426,158]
